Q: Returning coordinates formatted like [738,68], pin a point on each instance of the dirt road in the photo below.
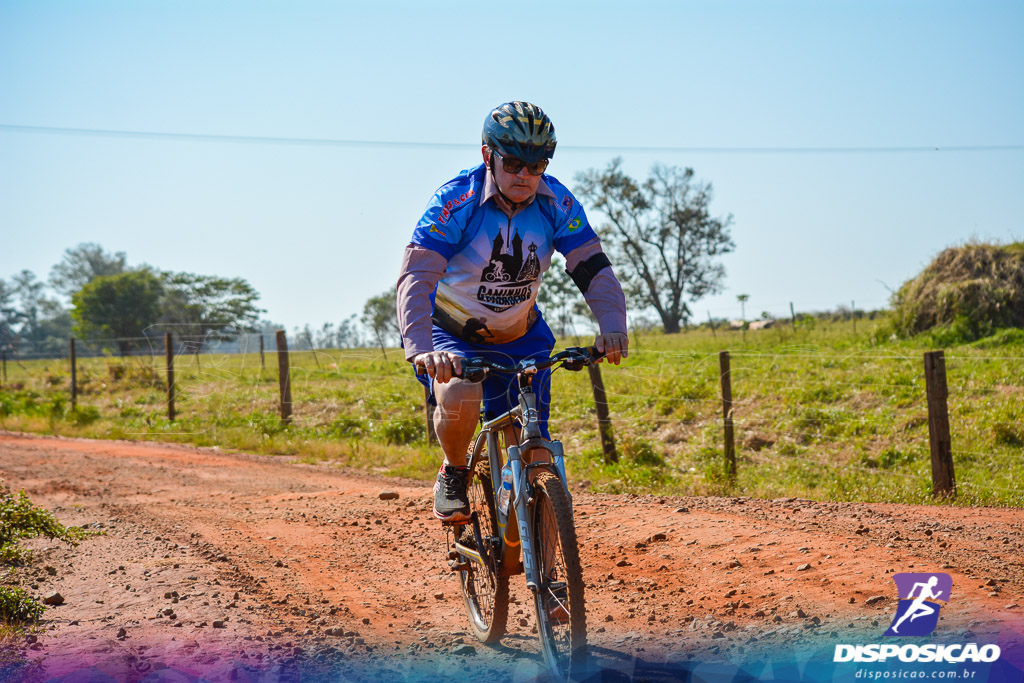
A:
[216,562]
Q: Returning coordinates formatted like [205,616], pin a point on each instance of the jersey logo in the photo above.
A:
[433,228]
[574,225]
[510,274]
[566,204]
[451,204]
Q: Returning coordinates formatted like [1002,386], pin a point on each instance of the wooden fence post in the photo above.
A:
[169,352]
[712,324]
[730,445]
[3,355]
[428,414]
[604,422]
[943,479]
[263,365]
[74,376]
[283,377]
[792,314]
[853,315]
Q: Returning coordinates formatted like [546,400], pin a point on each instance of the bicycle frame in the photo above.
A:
[516,537]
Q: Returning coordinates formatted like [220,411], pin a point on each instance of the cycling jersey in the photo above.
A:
[495,262]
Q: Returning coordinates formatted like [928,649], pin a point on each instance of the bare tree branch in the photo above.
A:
[663,228]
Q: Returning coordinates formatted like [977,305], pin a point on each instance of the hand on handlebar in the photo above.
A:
[614,346]
[441,365]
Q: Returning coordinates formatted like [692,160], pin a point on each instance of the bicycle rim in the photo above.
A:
[485,595]
[561,612]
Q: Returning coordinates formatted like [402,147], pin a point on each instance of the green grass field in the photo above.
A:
[820,413]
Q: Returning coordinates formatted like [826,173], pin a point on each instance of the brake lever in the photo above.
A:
[589,356]
[471,372]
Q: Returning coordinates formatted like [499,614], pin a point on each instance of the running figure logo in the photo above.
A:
[918,613]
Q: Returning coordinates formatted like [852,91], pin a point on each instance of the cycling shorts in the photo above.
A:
[501,391]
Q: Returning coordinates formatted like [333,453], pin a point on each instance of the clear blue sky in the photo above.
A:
[318,228]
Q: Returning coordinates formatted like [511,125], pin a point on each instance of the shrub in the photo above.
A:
[1001,338]
[401,431]
[20,519]
[888,458]
[17,606]
[641,451]
[348,427]
[1008,428]
[141,373]
[83,415]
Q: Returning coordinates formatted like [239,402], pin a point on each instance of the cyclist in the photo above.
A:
[466,262]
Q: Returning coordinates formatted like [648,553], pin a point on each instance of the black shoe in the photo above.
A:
[450,501]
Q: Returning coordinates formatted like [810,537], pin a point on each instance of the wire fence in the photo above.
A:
[824,419]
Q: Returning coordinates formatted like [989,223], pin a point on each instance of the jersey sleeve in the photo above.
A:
[441,225]
[571,228]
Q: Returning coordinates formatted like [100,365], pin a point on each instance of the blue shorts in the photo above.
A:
[501,392]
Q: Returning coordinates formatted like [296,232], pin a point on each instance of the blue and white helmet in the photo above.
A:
[521,130]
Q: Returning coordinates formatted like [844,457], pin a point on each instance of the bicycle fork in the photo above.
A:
[521,500]
[520,491]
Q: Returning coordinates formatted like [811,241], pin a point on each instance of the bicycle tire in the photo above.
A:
[559,602]
[485,595]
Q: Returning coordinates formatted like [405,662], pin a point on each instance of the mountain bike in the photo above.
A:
[521,521]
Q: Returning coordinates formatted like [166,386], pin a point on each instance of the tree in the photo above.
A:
[380,315]
[29,291]
[118,306]
[349,335]
[205,307]
[28,315]
[664,232]
[743,299]
[54,329]
[82,264]
[9,315]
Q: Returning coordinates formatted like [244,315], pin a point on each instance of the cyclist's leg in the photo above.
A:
[457,409]
[457,403]
[455,420]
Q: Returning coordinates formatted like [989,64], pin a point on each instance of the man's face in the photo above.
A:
[518,187]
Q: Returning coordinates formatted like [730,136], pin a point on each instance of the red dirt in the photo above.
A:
[311,548]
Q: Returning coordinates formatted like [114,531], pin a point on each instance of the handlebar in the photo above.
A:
[574,358]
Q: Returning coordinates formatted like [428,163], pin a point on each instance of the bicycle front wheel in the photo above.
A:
[561,613]
[485,594]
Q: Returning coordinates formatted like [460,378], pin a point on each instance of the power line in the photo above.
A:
[337,142]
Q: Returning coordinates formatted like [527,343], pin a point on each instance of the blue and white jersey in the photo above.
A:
[495,263]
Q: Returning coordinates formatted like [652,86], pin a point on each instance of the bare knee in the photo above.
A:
[458,400]
[458,406]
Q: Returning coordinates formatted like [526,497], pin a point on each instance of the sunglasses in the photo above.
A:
[514,166]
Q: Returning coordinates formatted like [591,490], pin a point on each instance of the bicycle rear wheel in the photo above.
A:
[561,613]
[485,594]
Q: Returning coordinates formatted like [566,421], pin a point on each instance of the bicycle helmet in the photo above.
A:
[521,130]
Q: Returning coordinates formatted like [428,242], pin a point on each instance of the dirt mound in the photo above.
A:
[967,292]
